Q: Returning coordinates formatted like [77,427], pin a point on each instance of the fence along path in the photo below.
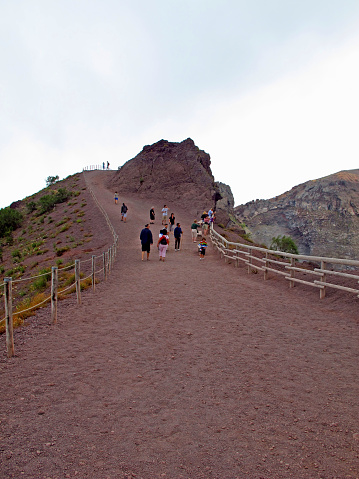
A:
[185,368]
[107,258]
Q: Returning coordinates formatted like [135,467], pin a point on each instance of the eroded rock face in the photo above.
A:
[322,216]
[224,204]
[175,172]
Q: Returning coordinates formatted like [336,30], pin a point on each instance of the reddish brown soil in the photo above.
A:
[183,369]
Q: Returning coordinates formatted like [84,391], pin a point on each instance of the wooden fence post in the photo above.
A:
[291,274]
[77,281]
[54,287]
[104,265]
[109,258]
[93,272]
[324,279]
[8,318]
[249,260]
[265,275]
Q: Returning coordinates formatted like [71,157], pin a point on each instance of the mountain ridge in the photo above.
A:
[321,215]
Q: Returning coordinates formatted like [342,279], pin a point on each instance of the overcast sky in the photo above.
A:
[269,88]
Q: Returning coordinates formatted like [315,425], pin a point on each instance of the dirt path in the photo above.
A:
[183,369]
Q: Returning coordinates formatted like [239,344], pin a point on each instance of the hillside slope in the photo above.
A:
[322,216]
[182,369]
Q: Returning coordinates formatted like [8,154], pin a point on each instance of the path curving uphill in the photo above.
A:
[183,369]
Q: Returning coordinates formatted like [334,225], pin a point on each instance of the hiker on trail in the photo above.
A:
[204,215]
[108,165]
[194,230]
[162,244]
[205,228]
[177,234]
[146,241]
[210,212]
[164,214]
[202,245]
[172,222]
[152,215]
[124,210]
[165,229]
[116,197]
[103,165]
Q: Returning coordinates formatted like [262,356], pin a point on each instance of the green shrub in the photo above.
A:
[16,254]
[40,283]
[47,202]
[51,180]
[284,243]
[31,206]
[10,219]
[62,250]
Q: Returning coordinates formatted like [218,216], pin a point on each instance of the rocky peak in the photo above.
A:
[322,216]
[174,172]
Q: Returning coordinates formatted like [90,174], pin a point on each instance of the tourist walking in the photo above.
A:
[162,244]
[116,197]
[146,241]
[152,215]
[172,222]
[194,230]
[177,234]
[205,225]
[164,214]
[202,245]
[124,210]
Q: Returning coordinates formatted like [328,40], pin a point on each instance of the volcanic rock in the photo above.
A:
[177,173]
[321,216]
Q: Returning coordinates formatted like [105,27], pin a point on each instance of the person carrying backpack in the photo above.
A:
[162,244]
[124,210]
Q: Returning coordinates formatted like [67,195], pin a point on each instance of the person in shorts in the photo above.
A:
[164,214]
[194,230]
[146,241]
[202,245]
[124,210]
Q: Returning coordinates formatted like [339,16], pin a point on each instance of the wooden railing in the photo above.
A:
[293,267]
[93,267]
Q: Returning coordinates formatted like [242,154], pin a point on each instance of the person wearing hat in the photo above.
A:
[146,241]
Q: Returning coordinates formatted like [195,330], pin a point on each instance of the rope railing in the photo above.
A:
[284,264]
[107,258]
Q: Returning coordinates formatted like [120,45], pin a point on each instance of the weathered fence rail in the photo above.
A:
[105,259]
[288,265]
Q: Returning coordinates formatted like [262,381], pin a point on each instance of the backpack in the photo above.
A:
[163,240]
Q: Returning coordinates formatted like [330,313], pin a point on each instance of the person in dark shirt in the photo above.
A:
[146,241]
[177,234]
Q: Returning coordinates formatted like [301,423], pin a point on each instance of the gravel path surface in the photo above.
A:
[182,369]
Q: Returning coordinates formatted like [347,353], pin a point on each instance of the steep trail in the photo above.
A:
[183,369]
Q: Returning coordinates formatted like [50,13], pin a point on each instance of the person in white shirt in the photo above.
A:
[164,214]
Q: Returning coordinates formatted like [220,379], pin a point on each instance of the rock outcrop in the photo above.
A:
[224,204]
[322,216]
[177,173]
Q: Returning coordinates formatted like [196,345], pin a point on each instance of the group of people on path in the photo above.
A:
[169,222]
[163,241]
